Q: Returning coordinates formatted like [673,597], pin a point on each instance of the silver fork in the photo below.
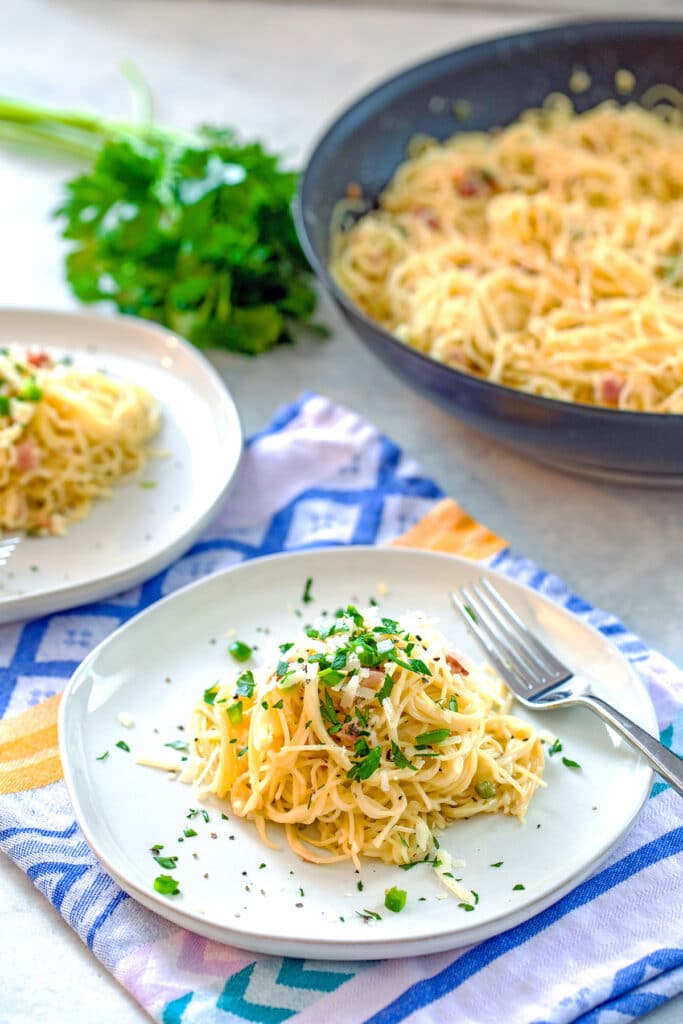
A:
[8,546]
[539,680]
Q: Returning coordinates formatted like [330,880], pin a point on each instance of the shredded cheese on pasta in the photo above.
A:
[363,738]
[546,256]
[66,436]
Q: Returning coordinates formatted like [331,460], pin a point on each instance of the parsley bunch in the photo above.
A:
[192,230]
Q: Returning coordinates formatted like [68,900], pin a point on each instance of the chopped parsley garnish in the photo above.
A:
[234,712]
[166,885]
[366,767]
[211,694]
[157,847]
[177,745]
[470,612]
[498,864]
[330,676]
[516,888]
[301,892]
[359,885]
[362,715]
[466,906]
[242,751]
[452,704]
[485,789]
[240,651]
[555,748]
[282,667]
[189,833]
[387,687]
[570,764]
[193,812]
[122,745]
[425,860]
[426,739]
[369,915]
[412,665]
[245,684]
[166,862]
[279,705]
[329,713]
[306,597]
[283,648]
[400,759]
[4,405]
[205,816]
[339,660]
[395,899]
[148,485]
[103,757]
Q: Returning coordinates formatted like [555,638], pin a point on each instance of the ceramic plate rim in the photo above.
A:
[68,595]
[338,949]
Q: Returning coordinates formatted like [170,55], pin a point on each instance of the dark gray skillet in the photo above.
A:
[499,78]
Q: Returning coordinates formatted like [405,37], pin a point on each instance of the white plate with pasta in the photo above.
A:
[117,443]
[340,710]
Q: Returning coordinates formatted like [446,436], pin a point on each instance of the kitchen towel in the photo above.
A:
[320,475]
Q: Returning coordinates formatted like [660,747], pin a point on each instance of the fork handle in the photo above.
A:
[664,761]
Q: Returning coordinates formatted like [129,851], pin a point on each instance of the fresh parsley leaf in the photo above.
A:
[245,684]
[193,230]
[122,745]
[369,915]
[103,757]
[177,745]
[211,694]
[400,759]
[306,596]
[387,687]
[570,764]
[516,888]
[426,739]
[498,864]
[555,748]
[366,767]
[166,862]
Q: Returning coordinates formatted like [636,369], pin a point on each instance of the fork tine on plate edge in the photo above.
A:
[475,621]
[506,617]
[520,658]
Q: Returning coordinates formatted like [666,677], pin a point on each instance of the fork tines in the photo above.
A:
[527,665]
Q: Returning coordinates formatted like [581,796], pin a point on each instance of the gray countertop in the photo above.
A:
[279,71]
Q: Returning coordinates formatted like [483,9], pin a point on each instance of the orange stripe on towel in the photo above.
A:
[29,756]
[447,528]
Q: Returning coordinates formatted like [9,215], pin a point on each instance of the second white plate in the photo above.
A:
[236,890]
[141,529]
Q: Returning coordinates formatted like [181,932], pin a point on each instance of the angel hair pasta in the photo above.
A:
[546,256]
[363,738]
[66,436]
